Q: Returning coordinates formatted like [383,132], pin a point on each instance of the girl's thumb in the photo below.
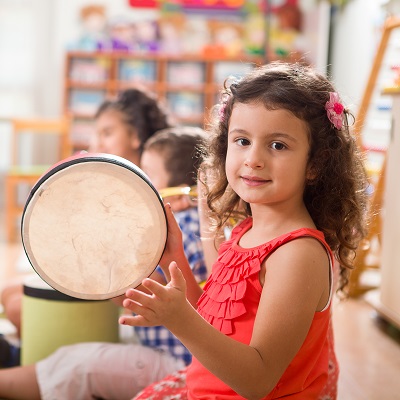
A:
[177,279]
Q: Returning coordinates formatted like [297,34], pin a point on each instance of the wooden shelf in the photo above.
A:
[188,84]
[87,85]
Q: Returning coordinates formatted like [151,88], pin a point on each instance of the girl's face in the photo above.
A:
[153,166]
[114,136]
[267,155]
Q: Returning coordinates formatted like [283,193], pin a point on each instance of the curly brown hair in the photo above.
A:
[336,197]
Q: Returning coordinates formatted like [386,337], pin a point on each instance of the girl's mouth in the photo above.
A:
[253,180]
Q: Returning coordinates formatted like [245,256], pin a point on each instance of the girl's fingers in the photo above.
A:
[135,299]
[142,308]
[133,320]
[134,305]
[154,287]
[136,295]
[172,224]
[157,306]
[168,213]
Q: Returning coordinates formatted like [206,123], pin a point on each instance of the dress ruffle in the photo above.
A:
[222,299]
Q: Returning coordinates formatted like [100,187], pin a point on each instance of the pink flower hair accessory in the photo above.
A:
[222,106]
[334,109]
[221,111]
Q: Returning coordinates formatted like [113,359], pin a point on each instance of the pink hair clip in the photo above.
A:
[221,111]
[334,109]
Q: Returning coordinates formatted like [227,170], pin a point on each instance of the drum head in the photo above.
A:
[93,226]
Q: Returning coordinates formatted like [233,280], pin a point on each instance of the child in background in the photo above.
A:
[282,160]
[123,126]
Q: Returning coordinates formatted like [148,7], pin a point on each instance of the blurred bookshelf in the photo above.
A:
[189,85]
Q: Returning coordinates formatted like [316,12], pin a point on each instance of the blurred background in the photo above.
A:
[60,59]
[338,37]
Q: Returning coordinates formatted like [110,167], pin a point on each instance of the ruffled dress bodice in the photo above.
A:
[230,301]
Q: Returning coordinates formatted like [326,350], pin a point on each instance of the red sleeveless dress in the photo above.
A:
[230,302]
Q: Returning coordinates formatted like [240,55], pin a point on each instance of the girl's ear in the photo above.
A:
[135,141]
[311,173]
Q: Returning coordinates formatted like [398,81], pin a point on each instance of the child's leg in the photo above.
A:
[101,370]
[19,383]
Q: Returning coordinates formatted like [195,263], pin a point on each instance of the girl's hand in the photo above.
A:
[174,252]
[165,305]
[174,246]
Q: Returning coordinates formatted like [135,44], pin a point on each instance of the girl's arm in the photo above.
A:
[296,286]
[174,252]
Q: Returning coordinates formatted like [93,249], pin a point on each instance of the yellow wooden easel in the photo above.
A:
[356,288]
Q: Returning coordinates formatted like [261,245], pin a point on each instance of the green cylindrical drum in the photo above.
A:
[51,319]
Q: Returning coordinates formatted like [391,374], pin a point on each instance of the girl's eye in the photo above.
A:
[107,132]
[242,142]
[278,146]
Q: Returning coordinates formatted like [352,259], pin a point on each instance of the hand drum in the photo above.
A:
[93,226]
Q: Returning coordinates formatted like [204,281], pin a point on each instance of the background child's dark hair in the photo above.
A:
[336,197]
[181,148]
[141,111]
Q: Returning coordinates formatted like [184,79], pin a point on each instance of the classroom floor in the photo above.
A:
[368,349]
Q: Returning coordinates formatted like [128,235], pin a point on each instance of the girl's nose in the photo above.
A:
[254,159]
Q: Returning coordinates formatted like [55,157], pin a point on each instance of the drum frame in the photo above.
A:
[71,161]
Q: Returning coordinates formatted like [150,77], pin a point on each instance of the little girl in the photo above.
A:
[281,160]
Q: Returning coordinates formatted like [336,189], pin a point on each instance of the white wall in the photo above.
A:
[24,40]
[355,37]
[316,31]
[21,45]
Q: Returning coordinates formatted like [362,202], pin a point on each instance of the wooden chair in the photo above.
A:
[36,144]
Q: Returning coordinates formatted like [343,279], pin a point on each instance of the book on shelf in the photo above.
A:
[86,102]
[230,69]
[137,70]
[90,71]
[186,73]
[186,104]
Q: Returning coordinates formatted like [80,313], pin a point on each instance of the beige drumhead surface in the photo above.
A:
[94,229]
